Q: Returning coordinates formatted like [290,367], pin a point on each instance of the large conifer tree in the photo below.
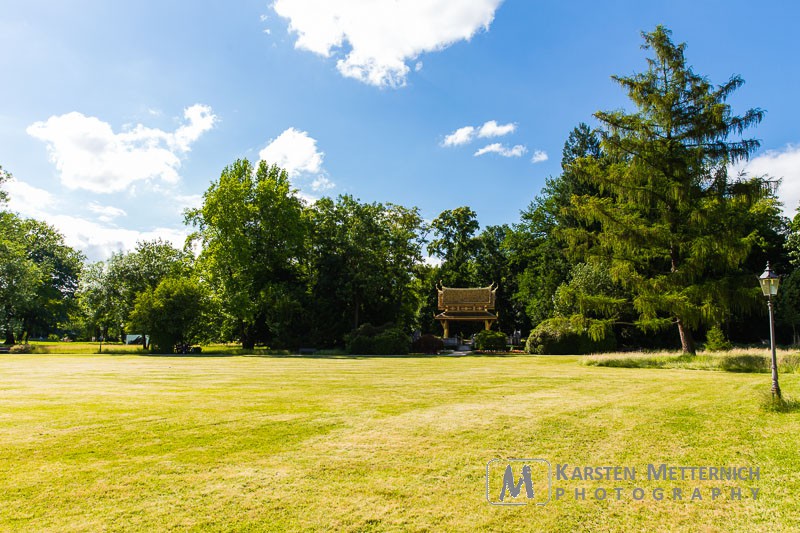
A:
[670,221]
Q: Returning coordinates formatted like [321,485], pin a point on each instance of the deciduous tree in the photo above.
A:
[252,231]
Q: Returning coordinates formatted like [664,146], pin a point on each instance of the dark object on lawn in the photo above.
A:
[187,349]
[428,344]
[385,340]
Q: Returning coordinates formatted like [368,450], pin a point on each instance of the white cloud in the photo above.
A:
[467,134]
[432,261]
[493,129]
[27,200]
[779,164]
[96,239]
[321,183]
[382,35]
[187,201]
[106,213]
[539,156]
[460,136]
[497,148]
[90,156]
[200,119]
[295,151]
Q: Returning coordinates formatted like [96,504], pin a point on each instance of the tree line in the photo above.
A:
[645,239]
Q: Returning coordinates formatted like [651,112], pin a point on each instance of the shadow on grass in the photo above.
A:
[327,356]
[773,404]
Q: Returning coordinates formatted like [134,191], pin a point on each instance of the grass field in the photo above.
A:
[371,444]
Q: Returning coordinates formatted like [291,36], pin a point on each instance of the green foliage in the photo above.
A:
[252,230]
[363,261]
[793,240]
[370,340]
[559,336]
[38,277]
[4,177]
[490,340]
[454,243]
[674,226]
[170,313]
[716,341]
[590,293]
[787,304]
[536,252]
[428,344]
[109,290]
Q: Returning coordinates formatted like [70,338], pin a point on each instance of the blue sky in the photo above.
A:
[115,116]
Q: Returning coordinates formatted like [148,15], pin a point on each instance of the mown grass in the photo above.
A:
[86,348]
[374,444]
[737,360]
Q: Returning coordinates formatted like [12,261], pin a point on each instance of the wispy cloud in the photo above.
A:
[98,239]
[106,213]
[497,148]
[467,134]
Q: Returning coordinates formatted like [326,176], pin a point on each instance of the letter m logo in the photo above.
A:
[518,481]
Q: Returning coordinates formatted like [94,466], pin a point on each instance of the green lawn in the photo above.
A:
[288,443]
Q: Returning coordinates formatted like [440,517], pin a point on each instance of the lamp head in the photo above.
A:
[769,281]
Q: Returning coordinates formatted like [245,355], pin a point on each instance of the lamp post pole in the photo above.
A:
[769,281]
[776,389]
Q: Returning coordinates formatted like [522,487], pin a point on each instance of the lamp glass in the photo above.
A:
[769,281]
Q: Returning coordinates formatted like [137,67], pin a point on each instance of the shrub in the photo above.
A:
[428,344]
[21,348]
[53,337]
[371,340]
[491,341]
[716,341]
[558,336]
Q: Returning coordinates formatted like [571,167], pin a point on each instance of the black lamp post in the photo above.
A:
[769,281]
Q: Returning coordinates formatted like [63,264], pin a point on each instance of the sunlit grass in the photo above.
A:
[352,444]
[736,360]
[48,347]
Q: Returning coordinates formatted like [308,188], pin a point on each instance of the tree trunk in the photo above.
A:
[687,340]
[356,306]
[248,339]
[9,335]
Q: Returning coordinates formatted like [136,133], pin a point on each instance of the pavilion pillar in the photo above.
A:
[446,326]
[487,324]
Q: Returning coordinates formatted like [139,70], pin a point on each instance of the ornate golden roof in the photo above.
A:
[466,299]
